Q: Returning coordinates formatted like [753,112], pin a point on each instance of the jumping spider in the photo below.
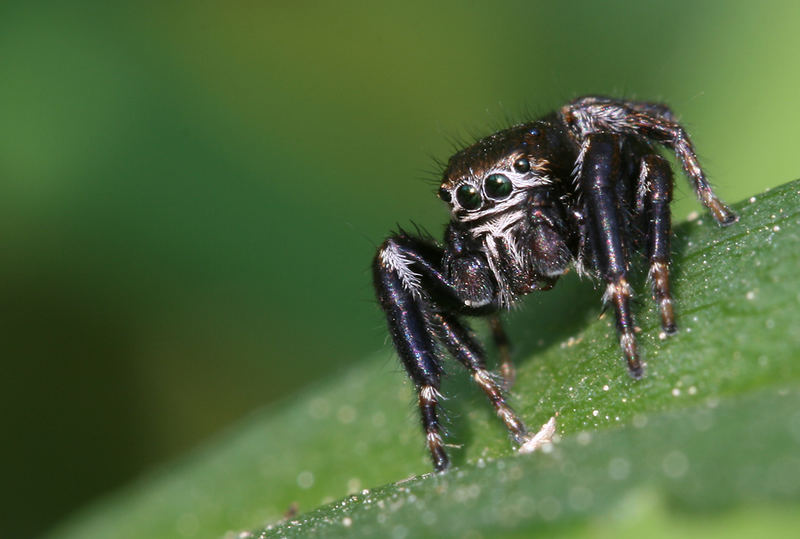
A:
[584,186]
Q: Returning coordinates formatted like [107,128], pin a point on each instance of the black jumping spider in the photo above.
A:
[584,186]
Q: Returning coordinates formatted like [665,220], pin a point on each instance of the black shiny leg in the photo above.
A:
[659,195]
[408,314]
[414,290]
[461,344]
[598,177]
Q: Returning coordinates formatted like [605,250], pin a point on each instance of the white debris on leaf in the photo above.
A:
[544,436]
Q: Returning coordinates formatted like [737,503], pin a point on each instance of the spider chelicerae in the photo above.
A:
[584,186]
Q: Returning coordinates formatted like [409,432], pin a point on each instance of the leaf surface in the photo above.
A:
[706,442]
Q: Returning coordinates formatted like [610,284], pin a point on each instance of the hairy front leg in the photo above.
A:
[399,289]
[416,282]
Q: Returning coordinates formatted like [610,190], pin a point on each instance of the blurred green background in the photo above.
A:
[192,192]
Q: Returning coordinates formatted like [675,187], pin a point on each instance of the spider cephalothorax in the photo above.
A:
[584,186]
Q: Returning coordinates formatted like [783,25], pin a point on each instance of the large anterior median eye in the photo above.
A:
[468,197]
[497,186]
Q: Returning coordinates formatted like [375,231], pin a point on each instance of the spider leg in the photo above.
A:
[599,172]
[399,292]
[654,121]
[675,137]
[658,177]
[503,346]
[413,290]
[461,344]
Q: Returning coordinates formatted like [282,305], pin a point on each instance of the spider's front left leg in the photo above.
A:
[597,178]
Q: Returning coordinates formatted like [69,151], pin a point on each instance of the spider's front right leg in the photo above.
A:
[398,285]
[422,289]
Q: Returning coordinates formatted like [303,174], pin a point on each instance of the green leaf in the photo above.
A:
[706,443]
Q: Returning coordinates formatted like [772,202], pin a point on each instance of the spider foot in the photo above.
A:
[720,211]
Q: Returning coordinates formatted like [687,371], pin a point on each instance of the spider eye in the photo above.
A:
[497,186]
[522,165]
[444,194]
[468,197]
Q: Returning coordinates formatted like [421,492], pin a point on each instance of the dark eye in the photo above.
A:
[497,186]
[468,197]
[522,165]
[444,194]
